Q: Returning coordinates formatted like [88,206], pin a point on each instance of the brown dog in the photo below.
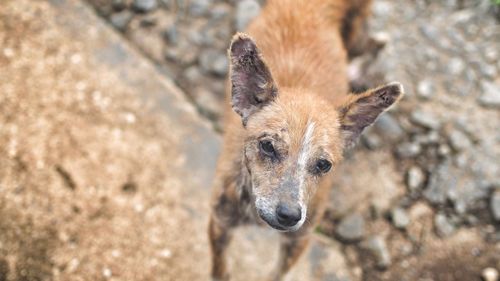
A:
[291,119]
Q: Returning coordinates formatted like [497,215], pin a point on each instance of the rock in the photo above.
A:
[430,138]
[430,32]
[219,12]
[214,61]
[199,7]
[144,6]
[490,96]
[425,119]
[382,8]
[118,5]
[377,246]
[490,274]
[408,150]
[439,182]
[351,228]
[444,227]
[389,127]
[415,178]
[171,34]
[121,20]
[444,150]
[495,205]
[371,140]
[456,66]
[399,218]
[246,11]
[488,70]
[183,55]
[459,141]
[192,74]
[426,89]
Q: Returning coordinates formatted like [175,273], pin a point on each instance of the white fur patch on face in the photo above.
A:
[304,154]
[305,149]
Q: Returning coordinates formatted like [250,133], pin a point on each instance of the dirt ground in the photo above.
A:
[105,165]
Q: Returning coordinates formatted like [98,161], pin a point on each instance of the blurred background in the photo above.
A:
[110,122]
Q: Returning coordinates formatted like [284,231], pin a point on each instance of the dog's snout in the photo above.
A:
[288,214]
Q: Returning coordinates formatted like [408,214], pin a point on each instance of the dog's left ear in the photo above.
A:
[361,110]
[252,85]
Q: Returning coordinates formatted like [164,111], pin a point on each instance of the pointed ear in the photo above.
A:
[361,110]
[252,85]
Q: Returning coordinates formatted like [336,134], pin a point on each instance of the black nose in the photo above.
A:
[288,214]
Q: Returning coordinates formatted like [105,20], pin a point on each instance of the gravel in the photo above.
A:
[425,119]
[199,7]
[456,66]
[378,247]
[351,228]
[399,218]
[246,11]
[121,20]
[389,127]
[415,178]
[408,150]
[214,61]
[444,227]
[439,182]
[459,141]
[490,96]
[426,89]
[144,6]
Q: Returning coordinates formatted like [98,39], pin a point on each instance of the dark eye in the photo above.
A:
[267,148]
[323,166]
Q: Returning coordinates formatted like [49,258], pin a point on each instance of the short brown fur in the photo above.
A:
[290,111]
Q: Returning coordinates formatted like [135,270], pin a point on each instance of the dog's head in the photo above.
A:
[293,137]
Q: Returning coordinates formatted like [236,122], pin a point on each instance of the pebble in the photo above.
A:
[389,127]
[444,227]
[495,205]
[118,5]
[456,66]
[426,89]
[351,228]
[378,247]
[144,6]
[213,61]
[371,140]
[430,32]
[399,218]
[459,141]
[382,8]
[430,138]
[490,274]
[425,119]
[192,74]
[121,19]
[439,183]
[488,70]
[490,96]
[415,178]
[408,150]
[246,11]
[171,34]
[199,7]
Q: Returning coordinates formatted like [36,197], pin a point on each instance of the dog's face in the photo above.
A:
[290,146]
[293,138]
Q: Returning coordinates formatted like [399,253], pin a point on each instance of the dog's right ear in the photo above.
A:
[252,85]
